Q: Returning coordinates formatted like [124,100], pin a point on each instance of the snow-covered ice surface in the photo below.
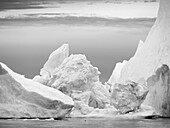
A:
[41,89]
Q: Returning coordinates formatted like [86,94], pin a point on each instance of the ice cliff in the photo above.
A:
[151,54]
[159,91]
[146,63]
[23,98]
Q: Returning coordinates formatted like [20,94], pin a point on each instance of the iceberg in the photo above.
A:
[67,82]
[54,61]
[116,73]
[77,78]
[159,91]
[74,74]
[151,63]
[128,98]
[23,98]
[151,54]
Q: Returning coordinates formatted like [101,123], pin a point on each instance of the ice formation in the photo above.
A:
[116,73]
[21,97]
[54,61]
[129,97]
[79,80]
[153,53]
[74,74]
[76,77]
[148,59]
[159,91]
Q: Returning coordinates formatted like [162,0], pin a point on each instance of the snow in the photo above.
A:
[41,89]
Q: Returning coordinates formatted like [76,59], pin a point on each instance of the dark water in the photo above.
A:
[86,123]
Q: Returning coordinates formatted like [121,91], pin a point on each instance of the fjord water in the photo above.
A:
[86,123]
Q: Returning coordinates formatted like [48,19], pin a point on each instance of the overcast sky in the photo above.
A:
[21,4]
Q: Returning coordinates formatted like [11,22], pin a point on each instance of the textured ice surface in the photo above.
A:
[76,77]
[148,59]
[159,91]
[30,85]
[154,52]
[54,61]
[129,97]
[75,74]
[111,112]
[116,72]
[22,97]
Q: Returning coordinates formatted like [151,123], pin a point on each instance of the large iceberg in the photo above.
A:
[23,98]
[77,78]
[148,59]
[151,54]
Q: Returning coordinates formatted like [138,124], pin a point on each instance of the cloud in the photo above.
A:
[24,4]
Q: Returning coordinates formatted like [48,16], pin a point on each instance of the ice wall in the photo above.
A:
[154,52]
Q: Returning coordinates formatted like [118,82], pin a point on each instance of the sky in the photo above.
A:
[106,32]
[23,4]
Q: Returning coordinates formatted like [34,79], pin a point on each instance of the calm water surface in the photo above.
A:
[86,123]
